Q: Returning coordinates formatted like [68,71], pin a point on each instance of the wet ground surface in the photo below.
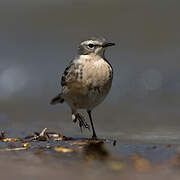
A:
[46,155]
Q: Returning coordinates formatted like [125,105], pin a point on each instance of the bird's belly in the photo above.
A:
[87,97]
[90,90]
[96,95]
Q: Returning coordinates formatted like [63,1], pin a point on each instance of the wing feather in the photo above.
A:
[70,73]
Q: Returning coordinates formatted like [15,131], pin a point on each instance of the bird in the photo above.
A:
[86,81]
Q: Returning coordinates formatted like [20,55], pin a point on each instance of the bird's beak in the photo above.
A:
[106,44]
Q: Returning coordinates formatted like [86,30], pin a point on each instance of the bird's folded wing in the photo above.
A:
[69,74]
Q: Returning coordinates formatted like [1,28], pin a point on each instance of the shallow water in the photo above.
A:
[123,160]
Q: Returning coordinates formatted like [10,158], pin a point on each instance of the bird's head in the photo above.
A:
[94,46]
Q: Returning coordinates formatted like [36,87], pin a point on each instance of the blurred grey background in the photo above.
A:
[39,37]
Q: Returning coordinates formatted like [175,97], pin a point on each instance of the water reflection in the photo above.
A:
[95,151]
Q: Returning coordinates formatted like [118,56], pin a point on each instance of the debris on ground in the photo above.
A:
[89,150]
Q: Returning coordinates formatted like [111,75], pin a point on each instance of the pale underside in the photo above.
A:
[86,82]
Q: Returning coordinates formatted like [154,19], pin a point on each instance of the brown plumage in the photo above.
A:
[86,81]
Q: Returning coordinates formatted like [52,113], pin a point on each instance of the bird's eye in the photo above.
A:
[90,45]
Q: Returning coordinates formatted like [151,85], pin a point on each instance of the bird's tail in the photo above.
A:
[57,99]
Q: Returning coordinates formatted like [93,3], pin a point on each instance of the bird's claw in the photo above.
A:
[82,122]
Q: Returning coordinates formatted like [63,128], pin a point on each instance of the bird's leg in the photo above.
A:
[94,133]
[80,118]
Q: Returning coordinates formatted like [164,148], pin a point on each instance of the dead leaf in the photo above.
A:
[62,149]
[42,133]
[10,139]
[25,144]
[14,149]
[78,143]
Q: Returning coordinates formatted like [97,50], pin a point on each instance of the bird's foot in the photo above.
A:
[94,137]
[82,122]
